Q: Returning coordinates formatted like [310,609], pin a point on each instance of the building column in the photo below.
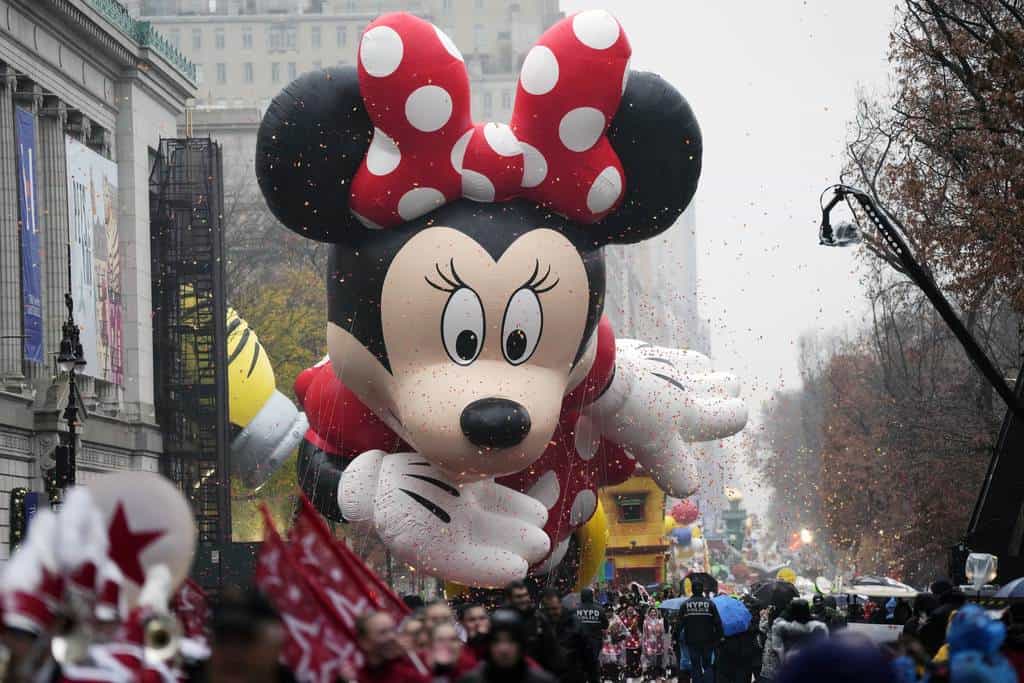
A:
[133,164]
[11,344]
[53,190]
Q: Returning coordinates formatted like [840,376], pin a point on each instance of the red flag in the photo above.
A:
[318,643]
[348,582]
[190,606]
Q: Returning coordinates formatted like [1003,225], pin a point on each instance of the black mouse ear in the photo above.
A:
[656,136]
[310,145]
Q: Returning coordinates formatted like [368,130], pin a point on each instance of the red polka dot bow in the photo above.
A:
[426,151]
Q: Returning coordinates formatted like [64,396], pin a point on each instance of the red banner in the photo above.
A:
[319,642]
[349,584]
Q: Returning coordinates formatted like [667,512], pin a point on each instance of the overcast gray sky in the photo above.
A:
[773,84]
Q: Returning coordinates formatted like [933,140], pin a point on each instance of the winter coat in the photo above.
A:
[769,657]
[575,647]
[738,656]
[701,621]
[790,636]
[541,641]
[593,623]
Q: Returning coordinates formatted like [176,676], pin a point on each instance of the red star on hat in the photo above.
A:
[126,546]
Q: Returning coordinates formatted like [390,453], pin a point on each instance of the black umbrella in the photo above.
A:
[774,593]
[709,582]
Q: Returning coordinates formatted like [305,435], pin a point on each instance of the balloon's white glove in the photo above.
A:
[659,400]
[480,534]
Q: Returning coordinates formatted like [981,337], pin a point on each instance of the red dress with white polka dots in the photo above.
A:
[577,461]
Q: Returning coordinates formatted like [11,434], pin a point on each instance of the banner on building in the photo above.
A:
[28,216]
[96,260]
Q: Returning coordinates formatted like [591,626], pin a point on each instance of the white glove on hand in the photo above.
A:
[480,534]
[659,400]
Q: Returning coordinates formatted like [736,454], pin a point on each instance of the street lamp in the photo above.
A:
[70,359]
[846,234]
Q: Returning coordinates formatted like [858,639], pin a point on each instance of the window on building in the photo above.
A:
[199,74]
[446,5]
[218,39]
[283,37]
[479,4]
[342,35]
[247,71]
[315,37]
[317,64]
[504,35]
[292,71]
[222,73]
[350,5]
[488,104]
[275,72]
[631,506]
[247,38]
[197,39]
[175,37]
[506,99]
[478,37]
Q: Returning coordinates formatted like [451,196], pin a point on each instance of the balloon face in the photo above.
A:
[481,334]
[149,523]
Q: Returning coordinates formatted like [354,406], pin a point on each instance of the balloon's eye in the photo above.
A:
[462,326]
[521,328]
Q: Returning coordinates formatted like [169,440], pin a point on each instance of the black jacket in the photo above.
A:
[701,622]
[541,641]
[593,623]
[932,633]
[575,648]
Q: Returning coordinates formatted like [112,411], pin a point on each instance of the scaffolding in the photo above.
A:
[189,336]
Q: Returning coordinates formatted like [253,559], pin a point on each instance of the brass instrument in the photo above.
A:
[162,634]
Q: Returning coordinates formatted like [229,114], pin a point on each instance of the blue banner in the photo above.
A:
[28,214]
[32,499]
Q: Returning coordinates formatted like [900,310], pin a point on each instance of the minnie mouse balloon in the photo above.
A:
[475,397]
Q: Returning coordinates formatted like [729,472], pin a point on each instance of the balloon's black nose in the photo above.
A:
[495,423]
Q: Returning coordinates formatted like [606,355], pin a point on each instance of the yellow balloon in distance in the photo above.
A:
[454,590]
[695,532]
[593,540]
[250,376]
[670,524]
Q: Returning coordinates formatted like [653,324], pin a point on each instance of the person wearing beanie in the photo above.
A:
[505,659]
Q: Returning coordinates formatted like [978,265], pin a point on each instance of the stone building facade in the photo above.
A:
[84,73]
[247,50]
